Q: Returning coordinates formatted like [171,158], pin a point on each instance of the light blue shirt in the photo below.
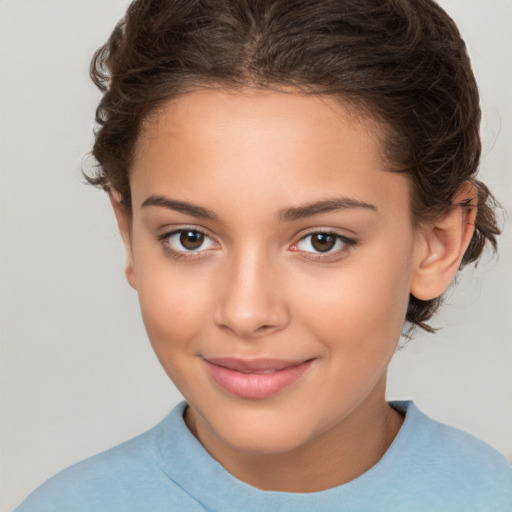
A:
[428,467]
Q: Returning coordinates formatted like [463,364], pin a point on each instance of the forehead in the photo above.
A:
[210,144]
[215,115]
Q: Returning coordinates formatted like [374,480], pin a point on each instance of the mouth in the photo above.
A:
[257,378]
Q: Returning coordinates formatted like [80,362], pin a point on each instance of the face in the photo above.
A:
[273,255]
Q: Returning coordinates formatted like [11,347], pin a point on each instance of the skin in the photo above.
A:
[257,289]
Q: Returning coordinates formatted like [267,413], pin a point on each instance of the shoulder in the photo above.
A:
[130,473]
[454,465]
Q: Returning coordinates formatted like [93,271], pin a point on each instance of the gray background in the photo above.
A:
[77,373]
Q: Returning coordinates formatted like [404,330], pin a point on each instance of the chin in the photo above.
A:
[260,432]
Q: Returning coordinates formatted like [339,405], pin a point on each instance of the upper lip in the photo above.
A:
[254,365]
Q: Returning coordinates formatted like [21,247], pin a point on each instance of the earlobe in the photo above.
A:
[441,245]
[124,223]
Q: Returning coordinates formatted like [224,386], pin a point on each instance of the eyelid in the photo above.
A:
[347,243]
[176,253]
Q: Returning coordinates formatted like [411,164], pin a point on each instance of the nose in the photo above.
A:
[250,301]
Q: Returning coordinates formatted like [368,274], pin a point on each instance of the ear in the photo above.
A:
[442,244]
[124,223]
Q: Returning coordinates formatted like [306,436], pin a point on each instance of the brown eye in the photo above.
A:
[191,240]
[323,242]
[186,242]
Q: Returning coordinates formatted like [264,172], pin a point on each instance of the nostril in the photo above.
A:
[266,327]
[245,331]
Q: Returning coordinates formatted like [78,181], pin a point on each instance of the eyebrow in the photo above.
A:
[283,215]
[324,206]
[180,206]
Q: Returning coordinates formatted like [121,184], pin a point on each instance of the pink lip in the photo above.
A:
[257,378]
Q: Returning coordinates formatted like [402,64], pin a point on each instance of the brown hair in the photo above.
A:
[403,62]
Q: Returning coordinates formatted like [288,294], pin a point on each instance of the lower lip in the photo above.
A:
[255,385]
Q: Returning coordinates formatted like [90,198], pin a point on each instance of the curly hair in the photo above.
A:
[402,62]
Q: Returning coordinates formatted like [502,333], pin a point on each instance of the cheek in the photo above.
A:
[359,308]
[174,308]
[173,312]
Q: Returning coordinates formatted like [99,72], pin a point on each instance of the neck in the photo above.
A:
[346,451]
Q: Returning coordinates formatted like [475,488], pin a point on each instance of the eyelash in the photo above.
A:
[180,255]
[347,242]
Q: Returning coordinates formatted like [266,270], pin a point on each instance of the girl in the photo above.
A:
[294,183]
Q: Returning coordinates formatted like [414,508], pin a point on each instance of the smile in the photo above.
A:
[255,379]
